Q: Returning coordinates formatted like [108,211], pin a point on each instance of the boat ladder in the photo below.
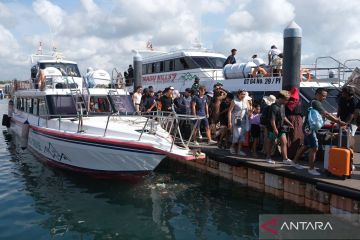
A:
[79,105]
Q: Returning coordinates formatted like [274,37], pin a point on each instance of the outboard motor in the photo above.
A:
[24,135]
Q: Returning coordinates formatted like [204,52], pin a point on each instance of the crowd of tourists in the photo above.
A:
[233,121]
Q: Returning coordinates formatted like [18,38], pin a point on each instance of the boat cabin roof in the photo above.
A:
[56,61]
[182,53]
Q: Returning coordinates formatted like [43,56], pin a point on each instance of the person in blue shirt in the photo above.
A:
[200,107]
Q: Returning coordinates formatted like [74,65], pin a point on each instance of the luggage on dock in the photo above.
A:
[340,159]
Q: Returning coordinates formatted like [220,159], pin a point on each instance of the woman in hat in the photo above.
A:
[294,114]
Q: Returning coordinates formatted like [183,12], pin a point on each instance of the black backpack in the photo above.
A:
[265,118]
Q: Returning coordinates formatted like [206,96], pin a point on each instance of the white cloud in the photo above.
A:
[50,13]
[8,43]
[7,17]
[103,33]
[248,43]
[90,6]
[240,20]
[214,6]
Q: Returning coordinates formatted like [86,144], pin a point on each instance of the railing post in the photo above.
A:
[59,122]
[107,123]
[192,132]
[147,119]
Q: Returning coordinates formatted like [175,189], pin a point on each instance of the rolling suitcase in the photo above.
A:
[340,159]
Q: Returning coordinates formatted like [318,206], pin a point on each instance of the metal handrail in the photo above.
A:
[341,66]
[350,60]
[169,118]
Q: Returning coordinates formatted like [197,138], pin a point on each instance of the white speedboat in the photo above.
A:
[93,131]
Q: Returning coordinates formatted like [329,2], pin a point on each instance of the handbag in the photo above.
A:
[238,122]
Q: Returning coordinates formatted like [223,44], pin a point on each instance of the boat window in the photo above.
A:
[161,66]
[23,104]
[66,69]
[29,103]
[143,69]
[35,106]
[42,107]
[169,65]
[99,104]
[217,62]
[18,103]
[149,68]
[209,62]
[181,64]
[202,62]
[157,67]
[122,104]
[61,105]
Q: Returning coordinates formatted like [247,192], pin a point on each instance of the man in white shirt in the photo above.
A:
[272,53]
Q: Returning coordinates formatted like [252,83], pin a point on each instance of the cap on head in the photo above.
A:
[273,47]
[188,90]
[171,88]
[197,78]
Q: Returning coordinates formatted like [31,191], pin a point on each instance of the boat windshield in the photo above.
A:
[66,69]
[209,62]
[122,104]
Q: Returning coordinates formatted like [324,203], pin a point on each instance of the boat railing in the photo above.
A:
[171,122]
[168,121]
[351,69]
[336,72]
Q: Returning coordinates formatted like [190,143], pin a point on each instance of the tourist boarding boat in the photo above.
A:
[90,130]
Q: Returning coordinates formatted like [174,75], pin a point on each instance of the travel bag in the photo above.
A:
[340,159]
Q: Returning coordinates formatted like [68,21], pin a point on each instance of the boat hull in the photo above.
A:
[90,155]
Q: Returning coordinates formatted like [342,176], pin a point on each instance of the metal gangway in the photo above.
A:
[331,70]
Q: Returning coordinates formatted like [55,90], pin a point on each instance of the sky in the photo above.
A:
[102,34]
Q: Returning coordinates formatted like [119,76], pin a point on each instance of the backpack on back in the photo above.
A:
[315,120]
[265,118]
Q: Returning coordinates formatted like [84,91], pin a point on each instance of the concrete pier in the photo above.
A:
[323,193]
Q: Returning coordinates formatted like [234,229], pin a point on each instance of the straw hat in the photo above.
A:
[269,99]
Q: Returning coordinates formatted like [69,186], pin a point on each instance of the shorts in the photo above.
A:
[272,137]
[255,131]
[310,140]
[204,121]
